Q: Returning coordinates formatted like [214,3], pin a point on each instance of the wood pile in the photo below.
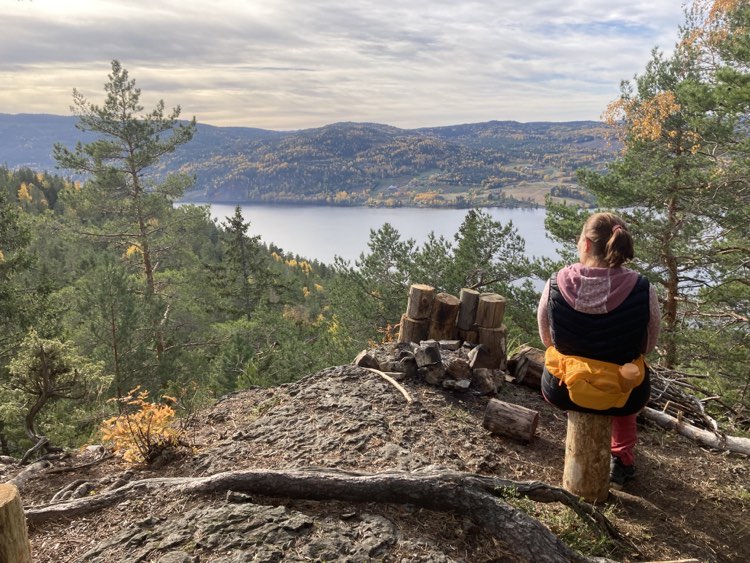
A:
[472,317]
[457,343]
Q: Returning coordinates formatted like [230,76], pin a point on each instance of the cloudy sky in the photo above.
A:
[292,64]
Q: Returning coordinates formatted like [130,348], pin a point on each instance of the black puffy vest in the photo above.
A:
[617,336]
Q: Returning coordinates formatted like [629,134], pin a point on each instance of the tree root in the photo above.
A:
[476,497]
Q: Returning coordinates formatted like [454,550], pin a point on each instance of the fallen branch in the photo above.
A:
[472,496]
[393,382]
[733,444]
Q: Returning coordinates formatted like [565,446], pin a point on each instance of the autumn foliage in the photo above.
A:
[143,430]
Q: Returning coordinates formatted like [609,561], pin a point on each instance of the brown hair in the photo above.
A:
[610,239]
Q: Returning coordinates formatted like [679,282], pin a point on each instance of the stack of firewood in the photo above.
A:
[473,317]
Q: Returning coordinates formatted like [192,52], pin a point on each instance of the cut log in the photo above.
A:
[467,313]
[457,368]
[481,357]
[443,318]
[483,381]
[513,421]
[428,353]
[495,340]
[490,310]
[527,366]
[421,297]
[413,330]
[587,456]
[14,540]
[468,335]
[366,360]
[433,374]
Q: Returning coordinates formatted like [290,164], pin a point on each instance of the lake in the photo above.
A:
[319,232]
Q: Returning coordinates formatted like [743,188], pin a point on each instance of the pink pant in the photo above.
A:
[624,437]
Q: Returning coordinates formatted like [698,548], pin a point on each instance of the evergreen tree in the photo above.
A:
[246,265]
[121,166]
[49,370]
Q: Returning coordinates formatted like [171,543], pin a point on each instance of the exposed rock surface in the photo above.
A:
[350,418]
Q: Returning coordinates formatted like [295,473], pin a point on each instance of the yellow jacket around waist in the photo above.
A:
[592,384]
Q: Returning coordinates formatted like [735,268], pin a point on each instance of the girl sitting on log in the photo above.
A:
[596,316]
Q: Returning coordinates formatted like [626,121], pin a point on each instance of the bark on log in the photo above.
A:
[483,381]
[443,318]
[481,357]
[470,336]
[468,311]
[14,540]
[733,444]
[510,420]
[476,497]
[587,456]
[495,340]
[413,330]
[421,297]
[490,310]
[526,366]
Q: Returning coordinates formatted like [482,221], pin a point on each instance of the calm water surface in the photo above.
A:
[324,232]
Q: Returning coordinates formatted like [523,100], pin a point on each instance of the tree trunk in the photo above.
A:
[510,420]
[587,456]
[468,312]
[443,319]
[421,297]
[413,330]
[14,541]
[490,310]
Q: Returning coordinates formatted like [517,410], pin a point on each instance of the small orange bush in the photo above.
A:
[143,430]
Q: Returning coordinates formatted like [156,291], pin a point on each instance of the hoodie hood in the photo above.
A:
[595,290]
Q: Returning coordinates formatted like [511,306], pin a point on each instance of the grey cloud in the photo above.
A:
[277,61]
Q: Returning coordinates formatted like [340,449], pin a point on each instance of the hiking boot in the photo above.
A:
[619,473]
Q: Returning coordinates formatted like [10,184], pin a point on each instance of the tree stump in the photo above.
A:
[443,318]
[421,297]
[468,311]
[14,541]
[413,330]
[587,456]
[510,420]
[490,310]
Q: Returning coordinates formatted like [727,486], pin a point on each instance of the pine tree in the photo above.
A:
[121,166]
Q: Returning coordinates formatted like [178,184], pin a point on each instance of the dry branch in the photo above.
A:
[733,444]
[393,382]
[472,496]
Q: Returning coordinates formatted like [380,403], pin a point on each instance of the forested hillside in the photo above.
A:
[493,163]
[115,292]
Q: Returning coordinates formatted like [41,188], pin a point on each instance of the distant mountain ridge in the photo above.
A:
[348,163]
